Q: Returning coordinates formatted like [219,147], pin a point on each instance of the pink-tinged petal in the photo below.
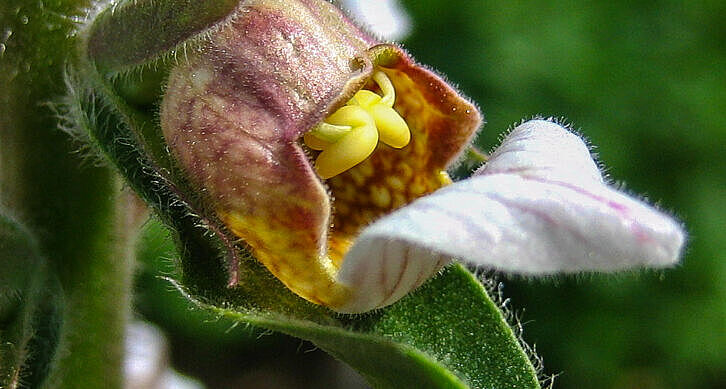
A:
[538,207]
[543,149]
[385,18]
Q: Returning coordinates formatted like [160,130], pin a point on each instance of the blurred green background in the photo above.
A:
[646,83]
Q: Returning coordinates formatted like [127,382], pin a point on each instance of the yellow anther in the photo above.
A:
[324,134]
[350,134]
[392,129]
[352,148]
[350,115]
[365,99]
[314,142]
[330,133]
[389,94]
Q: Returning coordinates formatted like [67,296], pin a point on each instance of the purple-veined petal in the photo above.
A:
[543,149]
[539,206]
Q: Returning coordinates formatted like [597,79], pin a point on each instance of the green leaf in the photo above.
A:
[30,309]
[448,334]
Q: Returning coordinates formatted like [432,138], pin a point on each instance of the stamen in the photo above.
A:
[350,134]
[389,94]
[351,149]
[392,128]
[324,134]
[365,98]
[330,132]
[314,142]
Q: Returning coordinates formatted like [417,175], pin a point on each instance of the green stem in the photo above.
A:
[70,205]
[97,292]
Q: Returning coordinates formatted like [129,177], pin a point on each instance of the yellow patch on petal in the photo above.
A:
[287,254]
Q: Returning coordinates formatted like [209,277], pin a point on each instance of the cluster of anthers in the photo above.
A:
[349,135]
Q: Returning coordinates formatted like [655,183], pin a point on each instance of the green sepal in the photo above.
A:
[134,33]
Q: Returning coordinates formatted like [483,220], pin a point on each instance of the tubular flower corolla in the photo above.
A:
[311,142]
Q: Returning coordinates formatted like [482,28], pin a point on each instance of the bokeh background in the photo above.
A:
[645,82]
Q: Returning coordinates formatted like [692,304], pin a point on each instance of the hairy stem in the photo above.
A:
[69,204]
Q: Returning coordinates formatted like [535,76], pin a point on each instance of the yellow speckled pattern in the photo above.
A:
[389,178]
[291,256]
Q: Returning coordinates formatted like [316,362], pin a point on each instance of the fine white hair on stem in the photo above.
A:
[539,206]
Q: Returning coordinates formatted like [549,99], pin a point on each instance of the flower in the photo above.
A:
[248,111]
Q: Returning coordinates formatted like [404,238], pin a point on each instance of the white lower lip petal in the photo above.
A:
[539,206]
